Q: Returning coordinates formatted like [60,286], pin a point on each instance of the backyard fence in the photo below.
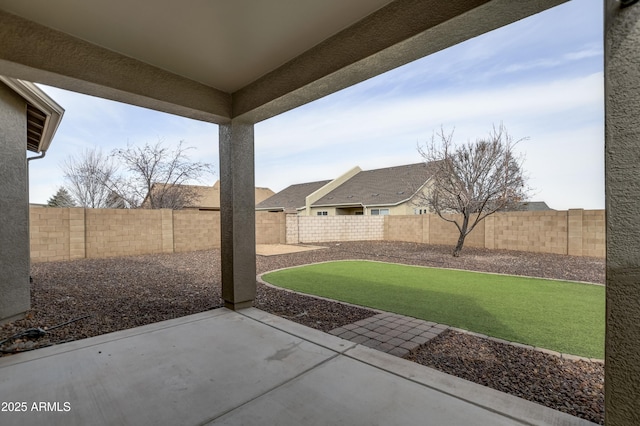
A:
[76,233]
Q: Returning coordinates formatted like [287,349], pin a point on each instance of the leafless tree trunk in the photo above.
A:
[474,179]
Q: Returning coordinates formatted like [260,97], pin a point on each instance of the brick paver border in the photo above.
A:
[391,333]
[398,335]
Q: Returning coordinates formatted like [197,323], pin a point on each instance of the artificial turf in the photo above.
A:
[563,316]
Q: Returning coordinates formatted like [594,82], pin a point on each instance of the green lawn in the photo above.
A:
[562,316]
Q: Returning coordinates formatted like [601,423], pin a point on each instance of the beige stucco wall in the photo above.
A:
[400,210]
[313,211]
[14,202]
[622,187]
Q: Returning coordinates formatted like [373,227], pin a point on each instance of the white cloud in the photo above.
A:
[538,76]
[558,116]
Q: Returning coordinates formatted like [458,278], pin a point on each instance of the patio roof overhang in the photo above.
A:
[215,61]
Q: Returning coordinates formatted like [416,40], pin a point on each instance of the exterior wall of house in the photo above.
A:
[622,175]
[313,211]
[349,211]
[14,205]
[407,208]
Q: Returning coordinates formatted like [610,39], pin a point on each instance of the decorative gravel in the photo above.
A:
[574,387]
[83,298]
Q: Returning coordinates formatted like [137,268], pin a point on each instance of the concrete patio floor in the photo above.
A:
[243,368]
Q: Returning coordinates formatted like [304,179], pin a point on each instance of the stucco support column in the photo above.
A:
[14,207]
[237,214]
[622,178]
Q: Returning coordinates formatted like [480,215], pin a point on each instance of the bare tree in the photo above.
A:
[89,177]
[474,179]
[158,177]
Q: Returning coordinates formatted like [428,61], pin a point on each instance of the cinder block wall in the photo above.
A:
[575,232]
[446,233]
[195,230]
[63,234]
[49,234]
[270,228]
[122,232]
[594,242]
[76,233]
[338,228]
[407,228]
[291,225]
[545,232]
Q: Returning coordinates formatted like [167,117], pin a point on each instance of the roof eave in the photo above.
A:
[270,208]
[41,101]
[339,205]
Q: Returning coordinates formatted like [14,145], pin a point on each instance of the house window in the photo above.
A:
[379,212]
[322,213]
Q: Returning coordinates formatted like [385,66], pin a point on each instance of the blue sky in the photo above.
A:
[542,77]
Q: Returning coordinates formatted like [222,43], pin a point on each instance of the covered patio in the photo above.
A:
[236,63]
[243,368]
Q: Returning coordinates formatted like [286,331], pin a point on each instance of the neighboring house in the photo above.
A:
[291,199]
[534,206]
[391,190]
[208,197]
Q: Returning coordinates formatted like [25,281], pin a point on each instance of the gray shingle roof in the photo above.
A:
[388,186]
[534,206]
[292,197]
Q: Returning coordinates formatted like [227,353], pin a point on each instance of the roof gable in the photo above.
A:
[292,197]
